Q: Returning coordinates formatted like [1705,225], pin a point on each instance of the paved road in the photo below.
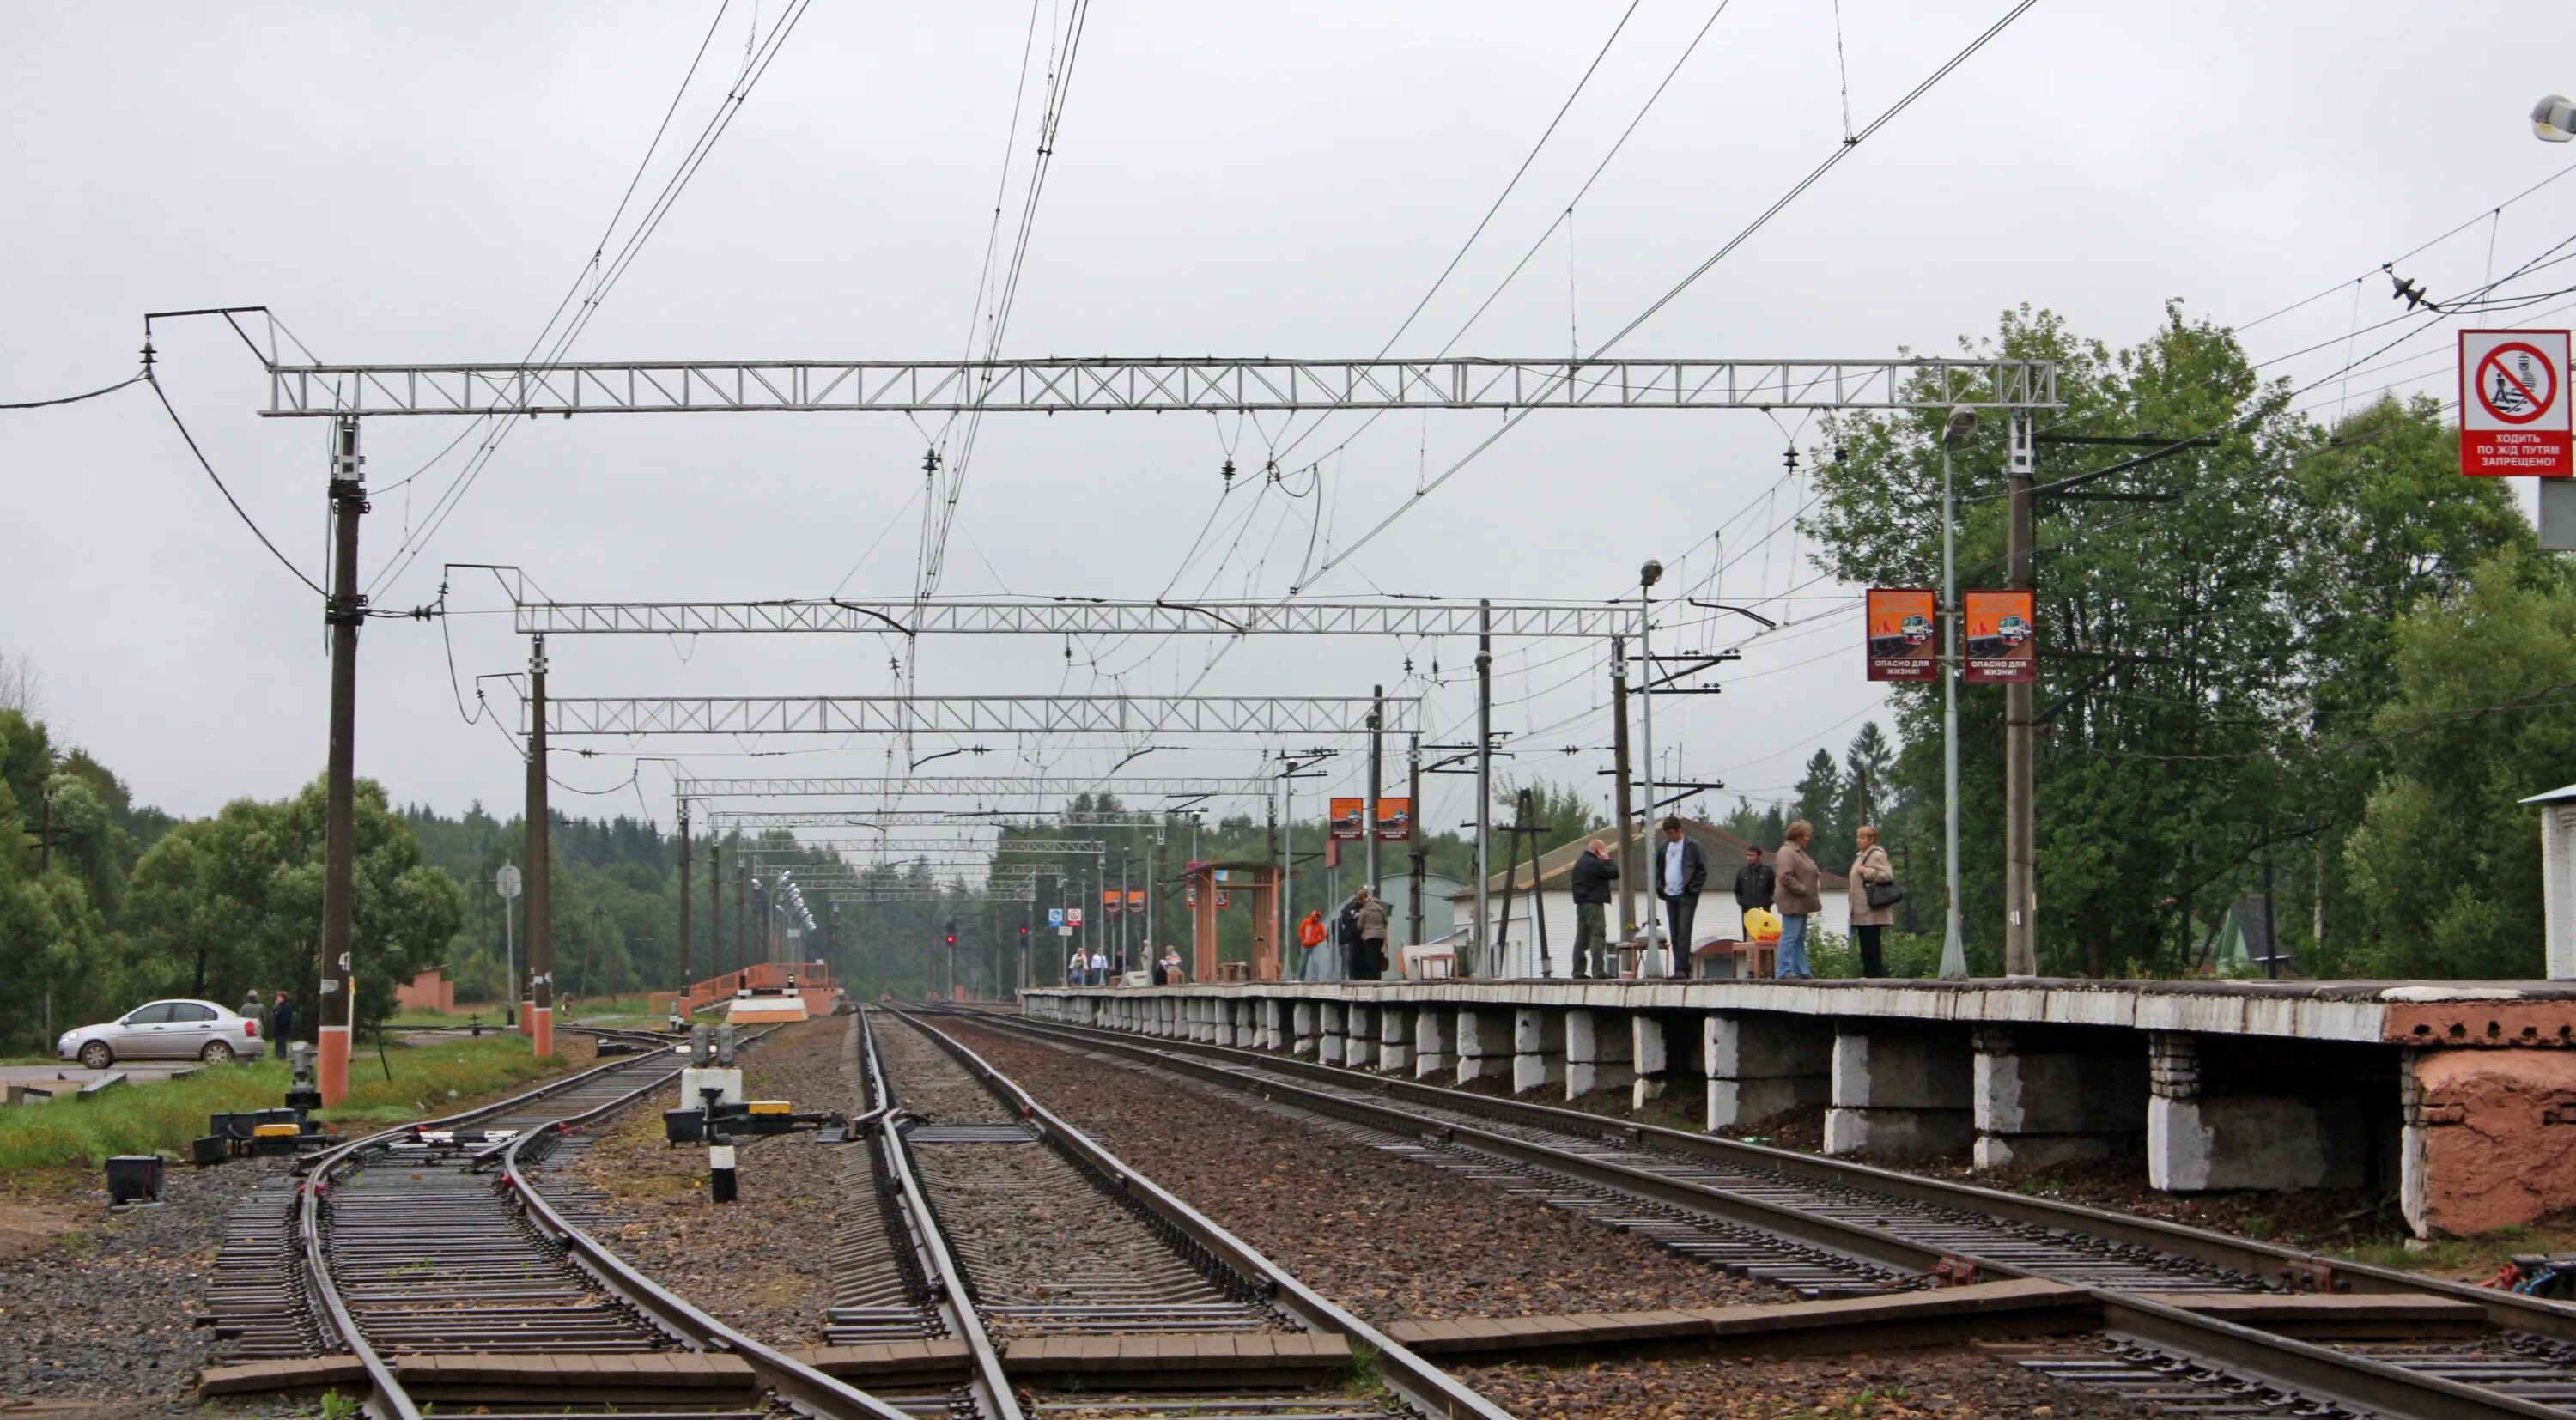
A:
[72,1076]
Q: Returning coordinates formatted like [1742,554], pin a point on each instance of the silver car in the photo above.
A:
[166,1030]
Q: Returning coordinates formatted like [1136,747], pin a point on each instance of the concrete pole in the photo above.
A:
[1954,952]
[1484,776]
[1414,843]
[342,613]
[1376,782]
[715,906]
[1646,579]
[2021,879]
[541,952]
[1623,798]
[684,895]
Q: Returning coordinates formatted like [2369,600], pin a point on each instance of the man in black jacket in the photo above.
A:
[1754,883]
[1592,875]
[1681,872]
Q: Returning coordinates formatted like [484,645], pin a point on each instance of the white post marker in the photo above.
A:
[2514,406]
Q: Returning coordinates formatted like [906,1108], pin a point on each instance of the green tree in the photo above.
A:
[2194,652]
[2446,858]
[1820,803]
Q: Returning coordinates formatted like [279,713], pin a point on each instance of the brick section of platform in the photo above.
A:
[2018,1308]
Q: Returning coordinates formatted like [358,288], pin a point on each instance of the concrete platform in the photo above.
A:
[2457,1097]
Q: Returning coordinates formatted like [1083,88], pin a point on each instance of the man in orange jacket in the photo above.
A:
[1310,937]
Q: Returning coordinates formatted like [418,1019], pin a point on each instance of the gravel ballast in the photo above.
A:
[1912,1385]
[763,1262]
[1389,1239]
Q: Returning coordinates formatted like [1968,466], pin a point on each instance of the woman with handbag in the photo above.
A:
[1874,895]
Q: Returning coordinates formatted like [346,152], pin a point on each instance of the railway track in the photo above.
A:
[1070,1284]
[431,1258]
[1831,1227]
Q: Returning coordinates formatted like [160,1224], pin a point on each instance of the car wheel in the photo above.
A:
[96,1055]
[216,1053]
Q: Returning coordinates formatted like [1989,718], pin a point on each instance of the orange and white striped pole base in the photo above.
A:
[544,1031]
[331,1064]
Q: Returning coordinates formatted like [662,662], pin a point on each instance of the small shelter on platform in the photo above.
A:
[1211,888]
[2558,880]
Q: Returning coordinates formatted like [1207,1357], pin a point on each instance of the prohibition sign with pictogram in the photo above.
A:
[2513,404]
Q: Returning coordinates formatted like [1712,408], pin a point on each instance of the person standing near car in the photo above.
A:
[1754,884]
[1591,876]
[280,1024]
[1870,920]
[250,1009]
[1801,895]
[1681,872]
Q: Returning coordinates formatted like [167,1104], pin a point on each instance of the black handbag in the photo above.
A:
[1882,894]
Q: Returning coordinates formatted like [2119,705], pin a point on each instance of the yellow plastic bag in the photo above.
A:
[1763,924]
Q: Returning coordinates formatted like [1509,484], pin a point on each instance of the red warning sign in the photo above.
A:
[2513,404]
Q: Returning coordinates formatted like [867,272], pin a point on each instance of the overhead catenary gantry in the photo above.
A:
[756,820]
[973,786]
[1038,846]
[964,715]
[1075,616]
[348,394]
[1153,384]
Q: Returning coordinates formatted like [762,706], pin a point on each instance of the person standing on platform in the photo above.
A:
[1310,947]
[1370,963]
[1681,872]
[1099,967]
[1172,973]
[1870,922]
[1801,896]
[1077,969]
[1754,884]
[1591,876]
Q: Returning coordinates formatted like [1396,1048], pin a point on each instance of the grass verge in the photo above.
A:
[162,1118]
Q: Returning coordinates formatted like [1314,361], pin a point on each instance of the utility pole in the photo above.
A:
[1647,576]
[742,914]
[1124,856]
[1954,952]
[541,951]
[1414,841]
[1623,802]
[590,949]
[715,906]
[1376,777]
[684,898]
[343,612]
[1484,775]
[2021,880]
[1292,968]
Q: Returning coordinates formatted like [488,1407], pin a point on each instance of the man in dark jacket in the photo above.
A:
[1592,875]
[1754,882]
[1681,873]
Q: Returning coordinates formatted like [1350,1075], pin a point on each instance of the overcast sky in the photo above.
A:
[417,184]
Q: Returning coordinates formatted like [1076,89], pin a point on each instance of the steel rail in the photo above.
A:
[390,1401]
[994,1394]
[1416,1381]
[2373,1386]
[803,1386]
[2293,1267]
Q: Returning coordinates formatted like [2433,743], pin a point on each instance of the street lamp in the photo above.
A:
[1647,577]
[2553,119]
[1955,431]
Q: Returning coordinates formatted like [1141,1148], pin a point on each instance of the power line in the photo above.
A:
[238,510]
[77,398]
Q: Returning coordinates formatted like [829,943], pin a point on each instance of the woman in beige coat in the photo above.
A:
[1869,924]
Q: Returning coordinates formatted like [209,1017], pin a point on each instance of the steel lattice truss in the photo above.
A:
[1157,385]
[1005,893]
[967,715]
[1075,617]
[935,845]
[978,786]
[758,820]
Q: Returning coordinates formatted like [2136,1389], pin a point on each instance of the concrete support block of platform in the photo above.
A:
[2050,1097]
[2199,1141]
[1599,1052]
[1359,1037]
[1760,1065]
[1900,1093]
[1304,1038]
[1330,1043]
[1661,1047]
[2489,1138]
[1484,1045]
[1538,1047]
[1395,1039]
[1435,1042]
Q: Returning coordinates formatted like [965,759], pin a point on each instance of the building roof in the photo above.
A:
[1723,850]
[2554,796]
